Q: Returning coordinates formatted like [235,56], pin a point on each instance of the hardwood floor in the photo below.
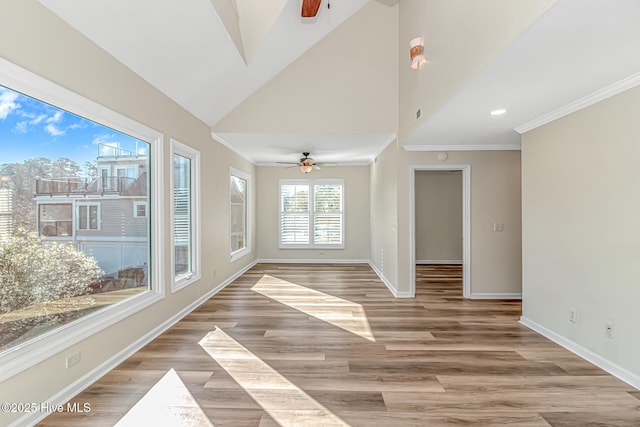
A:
[322,345]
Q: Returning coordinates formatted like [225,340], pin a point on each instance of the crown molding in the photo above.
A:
[586,101]
[477,147]
[226,144]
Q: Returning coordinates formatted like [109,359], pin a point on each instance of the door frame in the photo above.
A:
[466,223]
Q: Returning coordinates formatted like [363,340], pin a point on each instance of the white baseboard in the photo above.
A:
[387,283]
[439,261]
[617,371]
[496,296]
[95,374]
[311,261]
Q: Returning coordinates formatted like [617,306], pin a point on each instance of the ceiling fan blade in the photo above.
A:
[288,163]
[310,8]
[326,164]
[316,167]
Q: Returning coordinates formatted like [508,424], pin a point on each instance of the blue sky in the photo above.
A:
[30,128]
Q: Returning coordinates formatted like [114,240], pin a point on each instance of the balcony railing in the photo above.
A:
[120,185]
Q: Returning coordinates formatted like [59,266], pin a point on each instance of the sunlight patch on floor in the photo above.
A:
[339,312]
[287,404]
[167,403]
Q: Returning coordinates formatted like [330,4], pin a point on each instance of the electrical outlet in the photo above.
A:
[573,315]
[74,359]
[608,330]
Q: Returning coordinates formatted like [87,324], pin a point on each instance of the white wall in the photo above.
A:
[438,204]
[581,228]
[356,198]
[35,39]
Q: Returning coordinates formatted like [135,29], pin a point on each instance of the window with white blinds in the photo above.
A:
[312,213]
[239,210]
[185,201]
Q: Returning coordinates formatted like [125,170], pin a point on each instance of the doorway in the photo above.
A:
[442,252]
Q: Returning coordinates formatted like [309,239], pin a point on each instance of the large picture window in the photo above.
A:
[239,187]
[311,214]
[72,252]
[185,216]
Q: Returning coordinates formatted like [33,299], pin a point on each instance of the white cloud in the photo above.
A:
[52,130]
[21,127]
[7,103]
[37,120]
[56,118]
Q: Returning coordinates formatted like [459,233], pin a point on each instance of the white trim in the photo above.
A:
[226,144]
[88,204]
[234,256]
[137,203]
[392,137]
[477,147]
[98,372]
[388,284]
[311,261]
[180,281]
[466,223]
[584,102]
[311,183]
[500,296]
[614,369]
[439,261]
[26,355]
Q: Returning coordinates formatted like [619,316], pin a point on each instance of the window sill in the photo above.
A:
[24,356]
[323,247]
[239,254]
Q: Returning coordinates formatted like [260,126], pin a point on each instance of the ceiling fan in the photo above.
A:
[306,163]
[310,7]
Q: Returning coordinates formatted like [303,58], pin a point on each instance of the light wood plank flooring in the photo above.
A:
[321,345]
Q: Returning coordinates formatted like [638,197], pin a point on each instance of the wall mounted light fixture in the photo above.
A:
[417,52]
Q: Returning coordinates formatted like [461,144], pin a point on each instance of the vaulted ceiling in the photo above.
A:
[271,85]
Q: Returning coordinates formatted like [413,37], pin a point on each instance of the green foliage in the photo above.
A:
[33,272]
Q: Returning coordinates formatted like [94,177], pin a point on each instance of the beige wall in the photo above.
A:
[384,214]
[581,228]
[346,83]
[356,210]
[438,204]
[495,197]
[32,37]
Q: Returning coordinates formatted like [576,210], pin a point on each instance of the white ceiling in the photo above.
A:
[573,50]
[183,48]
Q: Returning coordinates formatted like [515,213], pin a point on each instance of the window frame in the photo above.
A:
[182,280]
[88,205]
[311,183]
[236,255]
[73,220]
[32,352]
[135,209]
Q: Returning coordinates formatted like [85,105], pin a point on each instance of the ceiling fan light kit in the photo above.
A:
[307,164]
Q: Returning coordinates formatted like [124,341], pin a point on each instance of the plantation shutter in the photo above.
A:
[294,214]
[327,219]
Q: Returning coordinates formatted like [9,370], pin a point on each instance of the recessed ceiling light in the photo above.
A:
[498,112]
